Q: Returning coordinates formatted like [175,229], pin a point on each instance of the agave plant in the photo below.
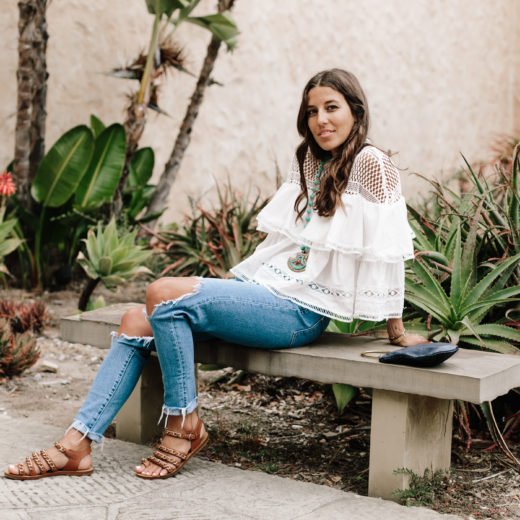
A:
[493,201]
[213,241]
[112,258]
[458,312]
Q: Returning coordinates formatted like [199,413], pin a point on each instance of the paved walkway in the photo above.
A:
[203,491]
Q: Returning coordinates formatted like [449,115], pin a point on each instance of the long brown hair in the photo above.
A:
[334,182]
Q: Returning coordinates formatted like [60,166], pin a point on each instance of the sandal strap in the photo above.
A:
[394,339]
[74,456]
[48,460]
[192,436]
[161,463]
[181,435]
[30,466]
[38,462]
[21,469]
[171,451]
[59,447]
[165,457]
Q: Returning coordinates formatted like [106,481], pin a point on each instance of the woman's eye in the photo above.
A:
[332,107]
[311,113]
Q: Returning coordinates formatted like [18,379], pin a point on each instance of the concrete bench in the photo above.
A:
[412,408]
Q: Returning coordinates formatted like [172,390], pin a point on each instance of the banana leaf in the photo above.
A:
[100,182]
[63,167]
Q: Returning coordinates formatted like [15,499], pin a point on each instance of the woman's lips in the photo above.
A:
[325,133]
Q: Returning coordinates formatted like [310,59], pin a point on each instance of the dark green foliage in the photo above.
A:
[422,490]
[465,279]
[212,241]
[74,189]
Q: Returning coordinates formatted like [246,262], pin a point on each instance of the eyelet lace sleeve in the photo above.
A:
[310,167]
[374,177]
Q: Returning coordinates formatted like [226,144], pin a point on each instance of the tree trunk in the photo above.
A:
[87,293]
[32,94]
[182,142]
[134,128]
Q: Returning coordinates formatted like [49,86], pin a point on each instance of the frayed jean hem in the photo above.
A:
[173,410]
[86,432]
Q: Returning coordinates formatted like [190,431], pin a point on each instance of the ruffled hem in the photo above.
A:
[302,301]
[373,231]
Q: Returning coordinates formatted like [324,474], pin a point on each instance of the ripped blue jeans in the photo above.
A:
[231,310]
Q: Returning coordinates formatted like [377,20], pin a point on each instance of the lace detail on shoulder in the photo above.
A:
[374,177]
[310,168]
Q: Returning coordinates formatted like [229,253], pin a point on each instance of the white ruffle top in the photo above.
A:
[355,267]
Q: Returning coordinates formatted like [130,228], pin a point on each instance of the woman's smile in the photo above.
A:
[329,118]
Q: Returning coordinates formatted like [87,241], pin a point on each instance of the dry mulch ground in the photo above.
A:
[283,426]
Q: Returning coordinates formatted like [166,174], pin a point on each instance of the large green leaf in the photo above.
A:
[63,167]
[221,26]
[100,182]
[432,285]
[485,284]
[427,306]
[343,394]
[165,7]
[9,245]
[456,272]
[502,331]
[495,345]
[96,125]
[141,167]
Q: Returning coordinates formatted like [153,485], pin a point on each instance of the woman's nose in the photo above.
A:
[322,117]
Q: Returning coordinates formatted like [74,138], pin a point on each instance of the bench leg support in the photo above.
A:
[408,431]
[137,420]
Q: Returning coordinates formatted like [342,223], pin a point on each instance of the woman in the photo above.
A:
[336,245]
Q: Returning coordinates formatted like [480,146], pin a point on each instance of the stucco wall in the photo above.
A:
[442,77]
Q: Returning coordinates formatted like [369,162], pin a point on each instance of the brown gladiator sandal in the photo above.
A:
[71,468]
[162,456]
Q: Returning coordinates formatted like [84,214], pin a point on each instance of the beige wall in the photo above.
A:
[442,77]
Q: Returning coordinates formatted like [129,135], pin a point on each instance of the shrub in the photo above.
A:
[211,241]
[18,352]
[24,317]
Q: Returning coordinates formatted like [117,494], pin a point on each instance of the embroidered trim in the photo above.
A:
[320,310]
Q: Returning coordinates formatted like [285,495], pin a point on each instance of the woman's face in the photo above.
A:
[329,118]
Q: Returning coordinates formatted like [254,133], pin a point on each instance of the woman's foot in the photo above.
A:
[399,337]
[69,456]
[173,452]
[408,339]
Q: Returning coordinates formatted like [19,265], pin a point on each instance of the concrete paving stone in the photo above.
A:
[69,513]
[203,491]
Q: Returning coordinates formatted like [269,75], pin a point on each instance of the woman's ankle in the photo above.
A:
[186,423]
[75,439]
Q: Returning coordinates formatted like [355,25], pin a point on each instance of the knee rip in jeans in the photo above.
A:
[195,289]
[137,341]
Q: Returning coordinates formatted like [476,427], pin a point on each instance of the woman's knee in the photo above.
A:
[134,323]
[169,288]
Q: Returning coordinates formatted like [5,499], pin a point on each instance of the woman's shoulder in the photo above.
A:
[370,151]
[374,159]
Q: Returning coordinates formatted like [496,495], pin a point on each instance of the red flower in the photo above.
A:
[7,187]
